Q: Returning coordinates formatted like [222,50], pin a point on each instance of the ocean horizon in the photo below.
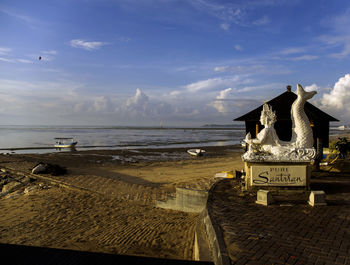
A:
[41,138]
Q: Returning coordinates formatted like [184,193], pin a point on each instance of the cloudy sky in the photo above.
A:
[175,62]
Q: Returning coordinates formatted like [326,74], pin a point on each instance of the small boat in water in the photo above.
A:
[343,127]
[65,143]
[196,152]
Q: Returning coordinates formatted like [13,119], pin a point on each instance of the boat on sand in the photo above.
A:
[65,143]
[196,152]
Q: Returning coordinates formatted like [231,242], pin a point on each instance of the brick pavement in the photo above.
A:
[294,234]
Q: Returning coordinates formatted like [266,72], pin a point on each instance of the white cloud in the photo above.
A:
[87,45]
[141,105]
[15,60]
[10,58]
[65,101]
[312,87]
[304,58]
[6,60]
[222,68]
[31,22]
[139,100]
[175,93]
[48,55]
[32,102]
[264,87]
[229,105]
[297,52]
[339,96]
[238,13]
[335,100]
[225,26]
[240,68]
[339,39]
[238,47]
[212,83]
[261,21]
[124,39]
[225,12]
[102,104]
[257,67]
[24,61]
[5,51]
[50,52]
[220,104]
[292,50]
[345,43]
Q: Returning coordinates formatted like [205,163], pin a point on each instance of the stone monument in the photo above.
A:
[274,164]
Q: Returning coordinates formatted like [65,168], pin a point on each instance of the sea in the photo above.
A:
[41,139]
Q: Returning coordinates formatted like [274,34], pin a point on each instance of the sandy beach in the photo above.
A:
[106,201]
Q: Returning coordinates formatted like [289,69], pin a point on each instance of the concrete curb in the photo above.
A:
[213,233]
[201,248]
[186,200]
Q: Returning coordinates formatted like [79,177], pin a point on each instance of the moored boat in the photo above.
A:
[196,152]
[65,143]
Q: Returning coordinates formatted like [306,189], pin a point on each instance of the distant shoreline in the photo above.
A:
[135,143]
[170,148]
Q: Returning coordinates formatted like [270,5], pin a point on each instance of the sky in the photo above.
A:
[168,62]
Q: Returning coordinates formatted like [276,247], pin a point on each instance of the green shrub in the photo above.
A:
[343,146]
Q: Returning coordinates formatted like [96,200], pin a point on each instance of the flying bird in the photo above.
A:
[39,58]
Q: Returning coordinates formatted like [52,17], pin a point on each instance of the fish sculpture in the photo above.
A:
[302,136]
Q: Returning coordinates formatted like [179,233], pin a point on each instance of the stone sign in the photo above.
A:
[278,175]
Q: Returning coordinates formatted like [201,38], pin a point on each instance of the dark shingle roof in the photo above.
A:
[282,105]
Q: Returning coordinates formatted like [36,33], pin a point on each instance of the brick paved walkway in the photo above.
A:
[288,232]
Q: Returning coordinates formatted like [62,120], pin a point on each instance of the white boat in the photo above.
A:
[65,143]
[196,152]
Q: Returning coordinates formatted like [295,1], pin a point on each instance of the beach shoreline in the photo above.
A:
[106,201]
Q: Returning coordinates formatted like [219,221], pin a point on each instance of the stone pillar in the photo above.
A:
[264,197]
[317,198]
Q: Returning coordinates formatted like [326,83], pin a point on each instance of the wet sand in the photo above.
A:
[106,201]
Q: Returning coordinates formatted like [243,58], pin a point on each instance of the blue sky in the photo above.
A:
[175,62]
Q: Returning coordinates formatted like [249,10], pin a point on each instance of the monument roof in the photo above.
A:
[282,105]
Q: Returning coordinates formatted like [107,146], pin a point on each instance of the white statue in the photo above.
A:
[302,136]
[267,137]
[268,147]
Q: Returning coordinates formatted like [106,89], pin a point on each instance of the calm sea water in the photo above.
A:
[39,139]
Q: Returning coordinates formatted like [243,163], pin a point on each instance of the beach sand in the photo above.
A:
[106,201]
[340,134]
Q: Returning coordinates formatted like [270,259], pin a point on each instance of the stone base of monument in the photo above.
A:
[264,197]
[317,198]
[272,176]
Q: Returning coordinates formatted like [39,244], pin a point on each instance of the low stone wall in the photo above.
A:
[208,243]
[186,200]
[214,237]
[201,249]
